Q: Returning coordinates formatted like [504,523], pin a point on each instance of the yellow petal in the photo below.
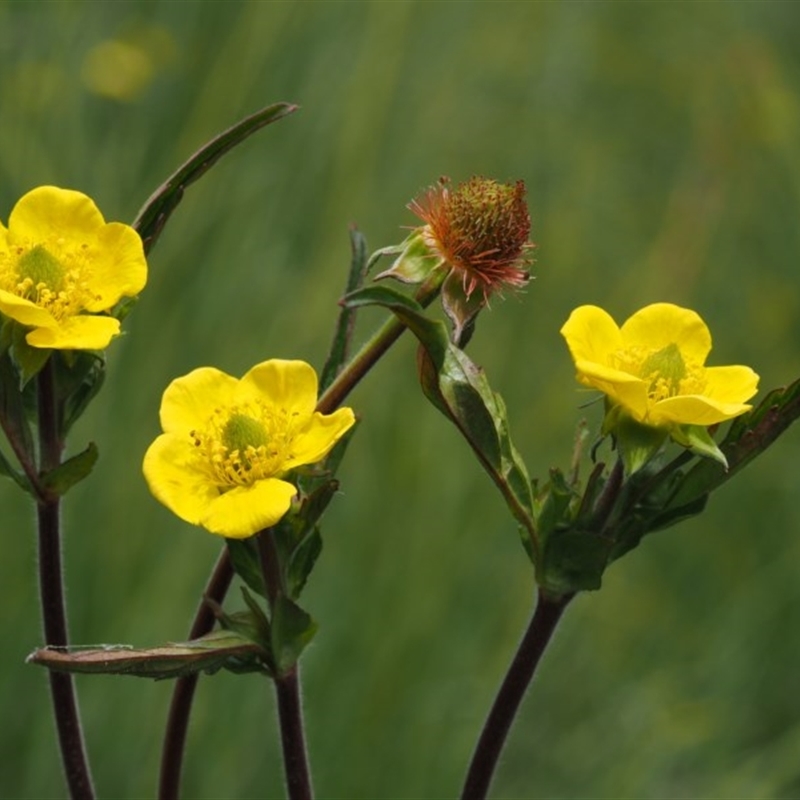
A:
[246,510]
[621,387]
[118,267]
[24,311]
[317,440]
[734,384]
[591,334]
[170,471]
[49,211]
[83,332]
[287,385]
[189,401]
[694,410]
[661,324]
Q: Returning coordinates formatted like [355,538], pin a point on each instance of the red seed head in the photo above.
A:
[481,229]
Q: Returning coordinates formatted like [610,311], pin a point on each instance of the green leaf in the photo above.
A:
[345,324]
[28,360]
[574,561]
[79,377]
[414,263]
[573,557]
[296,536]
[247,563]
[160,205]
[220,649]
[12,412]
[292,630]
[302,561]
[7,469]
[461,391]
[60,480]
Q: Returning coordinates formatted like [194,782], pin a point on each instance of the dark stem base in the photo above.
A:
[183,695]
[290,717]
[51,591]
[506,704]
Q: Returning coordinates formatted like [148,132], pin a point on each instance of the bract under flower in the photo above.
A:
[653,367]
[229,443]
[62,265]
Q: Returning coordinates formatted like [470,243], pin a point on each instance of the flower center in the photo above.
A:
[37,268]
[245,443]
[666,371]
[49,275]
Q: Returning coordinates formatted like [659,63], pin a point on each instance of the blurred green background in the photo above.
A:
[660,144]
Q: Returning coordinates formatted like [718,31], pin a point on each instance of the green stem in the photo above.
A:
[337,392]
[372,350]
[490,744]
[51,588]
[287,685]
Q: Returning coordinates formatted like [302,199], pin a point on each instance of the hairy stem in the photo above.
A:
[290,718]
[287,686]
[51,588]
[520,673]
[183,694]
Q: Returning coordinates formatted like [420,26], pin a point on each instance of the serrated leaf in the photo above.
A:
[156,211]
[216,650]
[292,630]
[461,391]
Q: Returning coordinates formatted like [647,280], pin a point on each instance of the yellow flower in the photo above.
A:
[653,367]
[62,265]
[228,444]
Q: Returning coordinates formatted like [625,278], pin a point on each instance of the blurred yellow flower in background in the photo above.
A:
[653,367]
[61,265]
[229,443]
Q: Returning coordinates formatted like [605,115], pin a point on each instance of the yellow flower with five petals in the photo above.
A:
[653,366]
[62,266]
[229,444]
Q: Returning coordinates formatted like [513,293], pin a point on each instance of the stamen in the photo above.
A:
[243,444]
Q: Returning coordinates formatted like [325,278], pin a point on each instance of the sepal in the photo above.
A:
[638,444]
[698,439]
[415,260]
